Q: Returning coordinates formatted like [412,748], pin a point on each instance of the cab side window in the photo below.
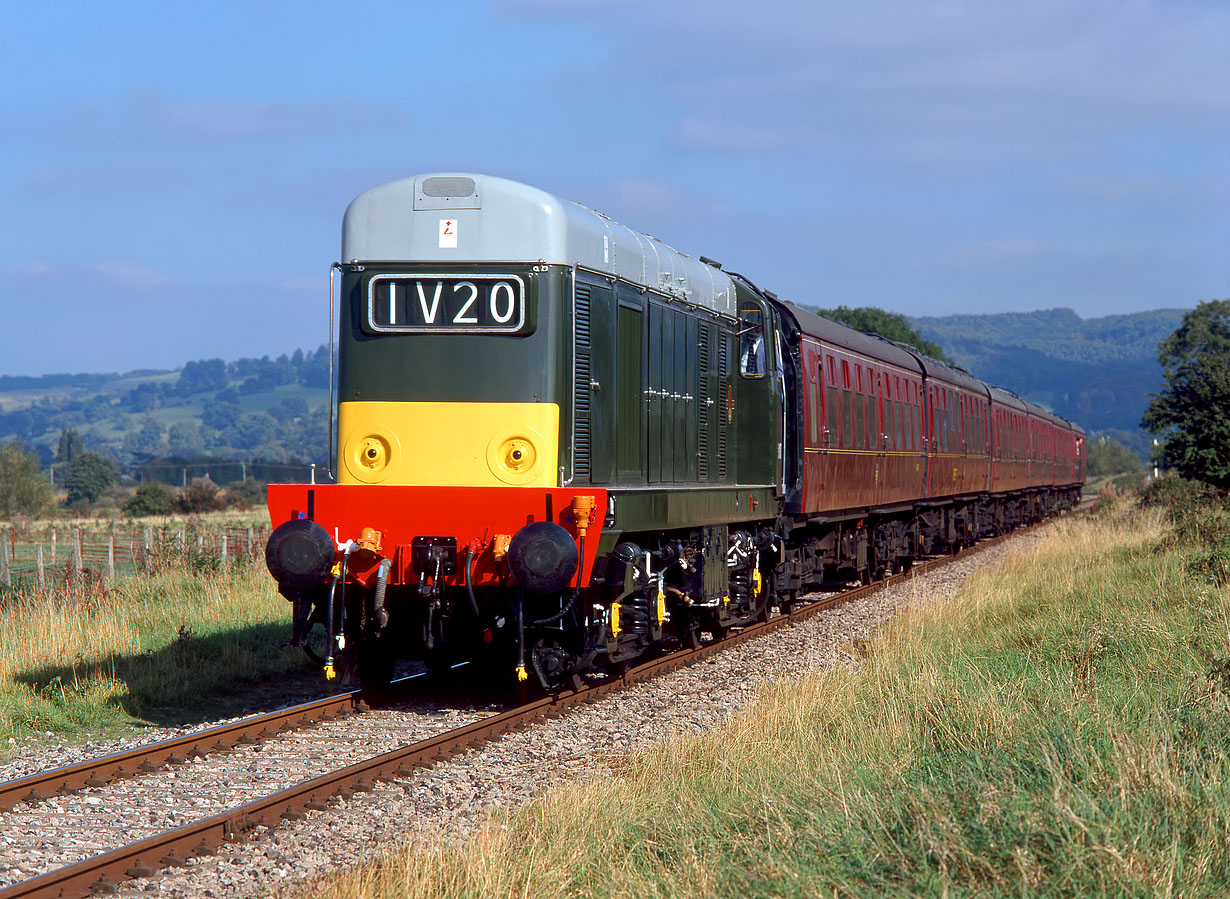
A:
[751,341]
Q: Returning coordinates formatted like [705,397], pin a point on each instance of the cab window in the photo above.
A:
[751,341]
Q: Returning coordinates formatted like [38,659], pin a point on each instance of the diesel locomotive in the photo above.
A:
[562,445]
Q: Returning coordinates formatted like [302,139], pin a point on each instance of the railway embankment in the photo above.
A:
[1060,724]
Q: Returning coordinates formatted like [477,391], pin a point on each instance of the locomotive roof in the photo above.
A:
[497,220]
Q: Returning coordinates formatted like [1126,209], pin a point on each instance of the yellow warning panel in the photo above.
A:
[443,444]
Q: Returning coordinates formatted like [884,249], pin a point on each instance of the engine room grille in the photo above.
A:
[581,436]
[449,187]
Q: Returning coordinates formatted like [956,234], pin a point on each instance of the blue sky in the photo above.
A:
[174,174]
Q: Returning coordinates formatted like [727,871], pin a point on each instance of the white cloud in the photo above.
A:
[36,268]
[155,117]
[132,274]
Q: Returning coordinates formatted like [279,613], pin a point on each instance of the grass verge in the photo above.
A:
[171,648]
[1061,727]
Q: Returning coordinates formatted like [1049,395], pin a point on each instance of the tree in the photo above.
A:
[24,490]
[71,445]
[892,325]
[88,476]
[146,441]
[185,438]
[290,408]
[1191,413]
[142,398]
[198,377]
[1106,457]
[254,430]
[217,416]
[154,498]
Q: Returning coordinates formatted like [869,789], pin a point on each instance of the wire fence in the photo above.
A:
[40,558]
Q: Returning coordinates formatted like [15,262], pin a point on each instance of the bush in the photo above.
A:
[1180,497]
[199,496]
[23,486]
[252,492]
[1127,482]
[1199,519]
[154,498]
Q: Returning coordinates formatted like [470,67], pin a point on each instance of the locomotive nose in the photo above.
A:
[543,557]
[299,554]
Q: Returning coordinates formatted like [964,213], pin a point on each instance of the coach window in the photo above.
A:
[751,341]
[847,425]
[831,407]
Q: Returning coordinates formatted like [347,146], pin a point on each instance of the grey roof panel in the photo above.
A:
[497,220]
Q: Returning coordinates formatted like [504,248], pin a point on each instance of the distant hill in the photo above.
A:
[273,410]
[1098,372]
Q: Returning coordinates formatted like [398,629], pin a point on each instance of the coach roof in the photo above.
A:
[837,334]
[461,217]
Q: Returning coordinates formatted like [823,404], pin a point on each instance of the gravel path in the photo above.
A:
[446,801]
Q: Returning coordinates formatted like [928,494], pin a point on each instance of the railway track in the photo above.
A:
[172,848]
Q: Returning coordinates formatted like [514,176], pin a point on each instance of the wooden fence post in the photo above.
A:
[53,547]
[5,575]
[224,550]
[77,564]
[40,573]
[111,558]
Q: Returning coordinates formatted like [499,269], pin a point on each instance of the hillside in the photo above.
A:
[1098,372]
[267,409]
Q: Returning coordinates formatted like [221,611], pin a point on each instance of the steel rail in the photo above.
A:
[99,772]
[173,848]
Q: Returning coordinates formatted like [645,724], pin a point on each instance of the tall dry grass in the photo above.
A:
[88,656]
[1061,727]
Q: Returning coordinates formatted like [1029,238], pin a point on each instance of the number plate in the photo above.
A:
[482,303]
